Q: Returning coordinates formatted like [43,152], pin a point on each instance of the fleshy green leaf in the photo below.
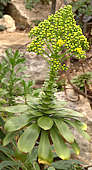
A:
[82,125]
[8,138]
[77,124]
[32,100]
[45,155]
[20,155]
[59,144]
[15,109]
[27,140]
[15,123]
[68,112]
[45,122]
[75,147]
[50,112]
[51,168]
[64,130]
[85,135]
[35,112]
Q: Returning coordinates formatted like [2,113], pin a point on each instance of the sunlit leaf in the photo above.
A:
[20,155]
[15,109]
[59,144]
[68,112]
[45,122]
[82,125]
[64,130]
[85,135]
[15,123]
[28,138]
[45,155]
[35,112]
[80,128]
[51,168]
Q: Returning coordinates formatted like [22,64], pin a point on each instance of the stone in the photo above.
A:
[61,3]
[37,67]
[90,168]
[24,17]
[8,22]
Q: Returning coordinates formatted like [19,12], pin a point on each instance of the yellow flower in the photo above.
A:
[80,51]
[60,42]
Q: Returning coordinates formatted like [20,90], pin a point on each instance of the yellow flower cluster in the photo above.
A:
[59,33]
[60,42]
[80,51]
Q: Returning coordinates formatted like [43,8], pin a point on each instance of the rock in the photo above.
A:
[37,67]
[8,22]
[24,17]
[61,3]
[12,40]
[18,13]
[90,168]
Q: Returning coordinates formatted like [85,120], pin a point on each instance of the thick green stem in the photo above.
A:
[48,90]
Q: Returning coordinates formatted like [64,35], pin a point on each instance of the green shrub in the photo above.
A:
[82,10]
[11,67]
[80,80]
[12,80]
[3,4]
[30,3]
[61,84]
[36,22]
[2,28]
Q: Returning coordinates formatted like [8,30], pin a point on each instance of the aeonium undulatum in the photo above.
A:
[48,120]
[45,117]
